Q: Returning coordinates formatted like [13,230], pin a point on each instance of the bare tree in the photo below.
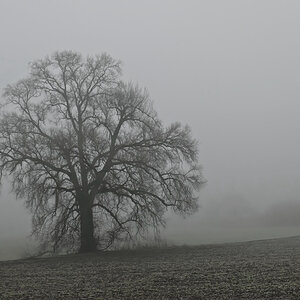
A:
[88,154]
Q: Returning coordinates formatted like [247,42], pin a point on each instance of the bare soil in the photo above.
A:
[268,269]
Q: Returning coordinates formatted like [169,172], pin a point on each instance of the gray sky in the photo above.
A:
[230,69]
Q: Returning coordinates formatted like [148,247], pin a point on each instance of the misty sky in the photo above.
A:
[229,69]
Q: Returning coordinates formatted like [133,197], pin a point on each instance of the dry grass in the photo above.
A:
[267,269]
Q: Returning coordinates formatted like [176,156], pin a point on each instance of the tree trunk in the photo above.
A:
[87,239]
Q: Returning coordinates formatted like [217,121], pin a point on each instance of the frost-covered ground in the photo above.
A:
[267,269]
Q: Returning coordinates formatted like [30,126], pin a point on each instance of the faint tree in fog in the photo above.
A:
[89,156]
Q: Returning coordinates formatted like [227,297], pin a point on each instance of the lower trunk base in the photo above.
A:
[87,239]
[88,246]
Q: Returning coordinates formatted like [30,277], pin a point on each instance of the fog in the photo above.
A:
[229,69]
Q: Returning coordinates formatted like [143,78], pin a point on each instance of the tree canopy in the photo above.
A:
[89,155]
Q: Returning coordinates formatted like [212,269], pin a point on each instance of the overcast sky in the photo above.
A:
[229,69]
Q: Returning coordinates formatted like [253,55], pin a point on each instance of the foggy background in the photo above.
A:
[229,69]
